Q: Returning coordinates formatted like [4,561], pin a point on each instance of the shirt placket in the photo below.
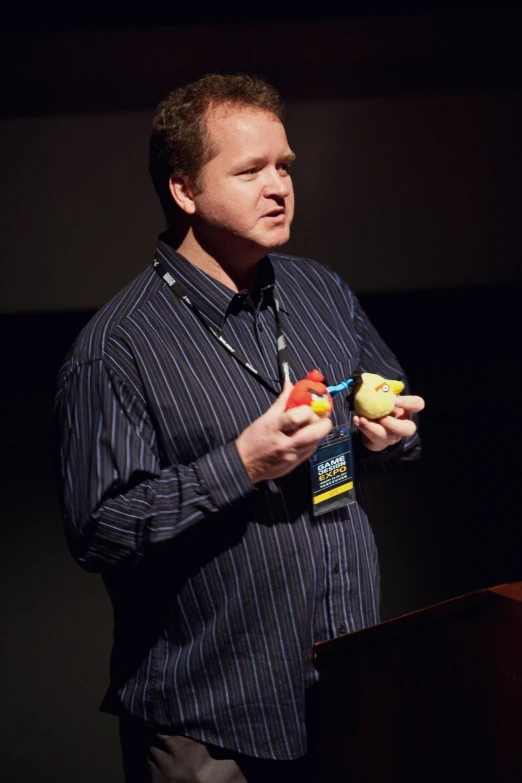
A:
[337,577]
[337,571]
[254,333]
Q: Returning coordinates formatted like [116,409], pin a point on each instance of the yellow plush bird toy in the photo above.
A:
[374,396]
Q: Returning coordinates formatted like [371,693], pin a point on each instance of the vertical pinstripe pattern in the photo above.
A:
[219,588]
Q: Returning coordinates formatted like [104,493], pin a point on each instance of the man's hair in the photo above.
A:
[179,143]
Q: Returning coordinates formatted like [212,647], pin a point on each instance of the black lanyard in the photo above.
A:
[282,356]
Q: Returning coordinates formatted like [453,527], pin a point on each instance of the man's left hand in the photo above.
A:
[378,434]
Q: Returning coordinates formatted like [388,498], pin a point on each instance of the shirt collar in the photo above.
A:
[213,299]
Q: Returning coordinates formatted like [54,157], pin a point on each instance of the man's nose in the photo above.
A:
[277,184]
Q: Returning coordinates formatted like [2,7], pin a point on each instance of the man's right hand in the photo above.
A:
[280,440]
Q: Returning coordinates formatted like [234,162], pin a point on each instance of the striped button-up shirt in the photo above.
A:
[220,588]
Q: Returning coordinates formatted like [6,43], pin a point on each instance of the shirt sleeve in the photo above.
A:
[116,499]
[375,356]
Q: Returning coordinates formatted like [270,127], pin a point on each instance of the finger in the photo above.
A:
[306,441]
[296,418]
[307,438]
[280,404]
[403,427]
[375,437]
[410,403]
[372,429]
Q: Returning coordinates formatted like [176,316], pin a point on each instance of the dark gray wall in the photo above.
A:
[395,192]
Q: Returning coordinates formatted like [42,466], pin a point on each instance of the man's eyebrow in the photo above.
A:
[289,157]
[250,162]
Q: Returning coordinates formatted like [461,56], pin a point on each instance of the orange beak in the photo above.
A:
[322,407]
[396,386]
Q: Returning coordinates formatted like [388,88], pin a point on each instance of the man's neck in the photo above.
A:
[236,271]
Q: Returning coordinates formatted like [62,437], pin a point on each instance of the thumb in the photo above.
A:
[280,404]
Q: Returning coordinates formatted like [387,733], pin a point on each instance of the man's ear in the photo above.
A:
[182,194]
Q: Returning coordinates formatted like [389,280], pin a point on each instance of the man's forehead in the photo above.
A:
[236,131]
[233,118]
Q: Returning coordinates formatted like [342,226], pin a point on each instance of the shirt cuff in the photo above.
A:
[224,476]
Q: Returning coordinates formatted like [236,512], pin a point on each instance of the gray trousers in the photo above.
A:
[151,757]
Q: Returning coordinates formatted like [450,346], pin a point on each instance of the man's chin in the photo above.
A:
[277,239]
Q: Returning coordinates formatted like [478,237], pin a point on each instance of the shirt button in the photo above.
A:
[336,568]
[342,629]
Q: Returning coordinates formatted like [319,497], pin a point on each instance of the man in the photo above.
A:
[186,482]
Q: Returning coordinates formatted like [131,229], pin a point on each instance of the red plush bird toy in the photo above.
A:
[312,392]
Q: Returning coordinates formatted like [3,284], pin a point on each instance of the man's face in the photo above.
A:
[246,189]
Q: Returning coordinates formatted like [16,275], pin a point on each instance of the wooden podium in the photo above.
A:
[435,695]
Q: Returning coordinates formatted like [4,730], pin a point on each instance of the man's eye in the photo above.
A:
[249,172]
[284,167]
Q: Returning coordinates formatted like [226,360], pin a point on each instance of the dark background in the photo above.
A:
[407,126]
